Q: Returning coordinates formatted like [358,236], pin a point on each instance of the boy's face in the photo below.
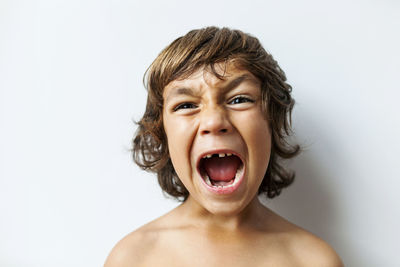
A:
[218,138]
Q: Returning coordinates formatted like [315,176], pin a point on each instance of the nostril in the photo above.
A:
[220,131]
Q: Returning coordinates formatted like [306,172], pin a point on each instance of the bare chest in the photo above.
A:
[224,252]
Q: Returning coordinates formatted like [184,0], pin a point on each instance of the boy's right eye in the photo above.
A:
[184,106]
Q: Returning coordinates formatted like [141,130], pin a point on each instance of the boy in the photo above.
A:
[214,130]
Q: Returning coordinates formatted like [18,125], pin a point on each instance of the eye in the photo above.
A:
[240,99]
[185,106]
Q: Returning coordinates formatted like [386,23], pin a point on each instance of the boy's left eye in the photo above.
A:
[240,99]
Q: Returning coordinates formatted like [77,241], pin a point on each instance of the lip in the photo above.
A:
[222,190]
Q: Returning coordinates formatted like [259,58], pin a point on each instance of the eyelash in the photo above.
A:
[242,99]
[246,99]
[182,106]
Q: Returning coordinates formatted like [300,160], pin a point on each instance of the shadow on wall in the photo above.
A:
[309,202]
[314,200]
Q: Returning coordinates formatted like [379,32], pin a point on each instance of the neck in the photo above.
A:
[249,217]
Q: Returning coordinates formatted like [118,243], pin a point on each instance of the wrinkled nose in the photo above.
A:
[215,121]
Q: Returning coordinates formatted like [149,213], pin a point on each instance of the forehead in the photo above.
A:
[230,76]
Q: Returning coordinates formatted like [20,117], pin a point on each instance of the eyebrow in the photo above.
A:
[232,84]
[180,91]
[237,81]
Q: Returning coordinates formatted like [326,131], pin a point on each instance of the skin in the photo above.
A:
[203,113]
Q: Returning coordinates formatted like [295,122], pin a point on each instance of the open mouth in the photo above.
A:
[221,172]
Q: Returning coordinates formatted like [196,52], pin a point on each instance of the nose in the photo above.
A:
[214,120]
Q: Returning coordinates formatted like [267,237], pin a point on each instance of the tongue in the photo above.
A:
[222,169]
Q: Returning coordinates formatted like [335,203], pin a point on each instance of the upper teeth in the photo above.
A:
[221,155]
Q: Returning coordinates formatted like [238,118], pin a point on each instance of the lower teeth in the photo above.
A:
[238,173]
[208,181]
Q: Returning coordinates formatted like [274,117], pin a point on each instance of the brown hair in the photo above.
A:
[204,48]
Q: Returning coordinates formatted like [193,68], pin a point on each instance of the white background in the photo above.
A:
[71,86]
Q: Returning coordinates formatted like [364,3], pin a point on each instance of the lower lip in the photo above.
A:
[224,190]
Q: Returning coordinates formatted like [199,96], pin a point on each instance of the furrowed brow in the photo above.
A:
[231,85]
[180,91]
[237,81]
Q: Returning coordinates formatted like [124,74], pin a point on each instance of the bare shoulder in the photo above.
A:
[140,247]
[310,250]
[133,249]
[304,248]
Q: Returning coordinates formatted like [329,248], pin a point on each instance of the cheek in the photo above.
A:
[179,144]
[259,143]
[264,141]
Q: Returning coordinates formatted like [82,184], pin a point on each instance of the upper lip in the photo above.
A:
[217,151]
